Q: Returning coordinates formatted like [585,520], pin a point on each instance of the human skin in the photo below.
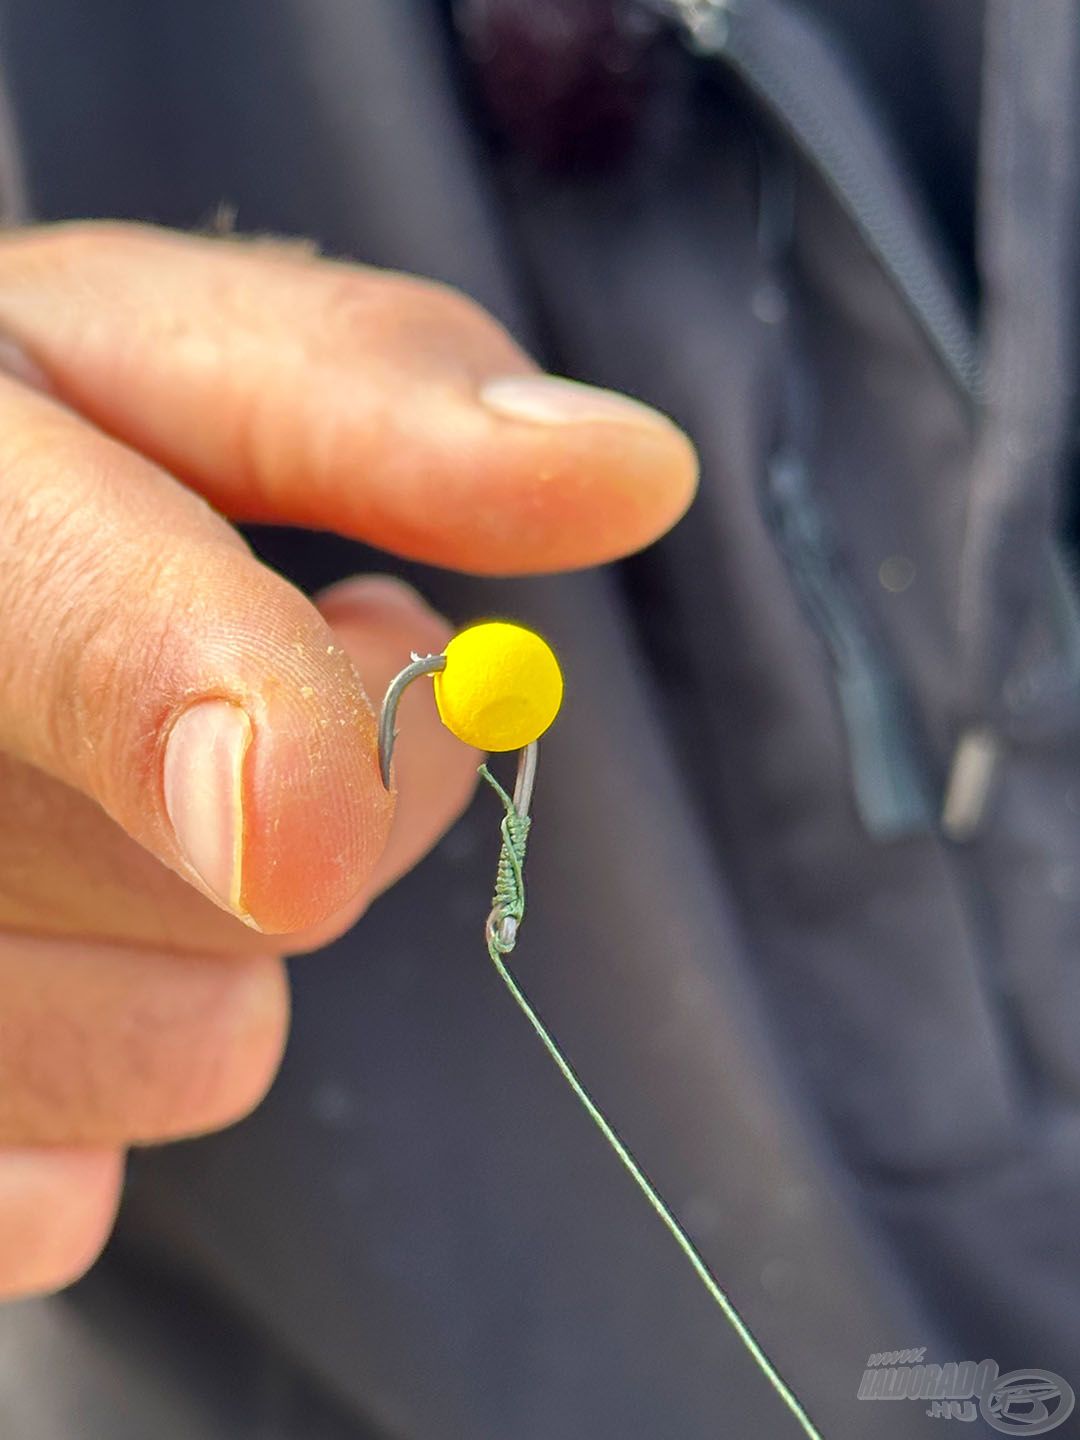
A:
[188,764]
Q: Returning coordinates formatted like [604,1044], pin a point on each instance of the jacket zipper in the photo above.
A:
[795,72]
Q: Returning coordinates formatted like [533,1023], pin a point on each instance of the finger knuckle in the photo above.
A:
[196,1065]
[162,1061]
[407,322]
[197,1089]
[55,1218]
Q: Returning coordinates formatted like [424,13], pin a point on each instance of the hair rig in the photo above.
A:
[498,687]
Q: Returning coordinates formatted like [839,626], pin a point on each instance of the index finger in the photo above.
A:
[291,389]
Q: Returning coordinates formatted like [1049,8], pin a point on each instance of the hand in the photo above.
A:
[187,747]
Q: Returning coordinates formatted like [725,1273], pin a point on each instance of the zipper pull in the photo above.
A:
[704,23]
[971,779]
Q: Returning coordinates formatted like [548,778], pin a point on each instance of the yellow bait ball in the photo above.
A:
[501,688]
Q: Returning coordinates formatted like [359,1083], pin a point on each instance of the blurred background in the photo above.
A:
[829,999]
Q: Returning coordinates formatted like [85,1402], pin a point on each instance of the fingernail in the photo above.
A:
[204,797]
[379,589]
[551,400]
[14,361]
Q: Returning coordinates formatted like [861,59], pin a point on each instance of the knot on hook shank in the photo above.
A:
[508,904]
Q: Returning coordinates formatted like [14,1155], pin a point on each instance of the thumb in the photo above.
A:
[150,661]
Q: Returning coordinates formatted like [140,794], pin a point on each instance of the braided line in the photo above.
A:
[509,906]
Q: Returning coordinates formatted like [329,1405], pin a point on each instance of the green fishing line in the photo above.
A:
[509,903]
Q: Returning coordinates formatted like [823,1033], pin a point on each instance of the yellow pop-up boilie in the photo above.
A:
[501,686]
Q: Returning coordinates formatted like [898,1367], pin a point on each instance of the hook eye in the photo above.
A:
[500,931]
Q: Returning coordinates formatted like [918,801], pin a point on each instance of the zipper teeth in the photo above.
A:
[713,27]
